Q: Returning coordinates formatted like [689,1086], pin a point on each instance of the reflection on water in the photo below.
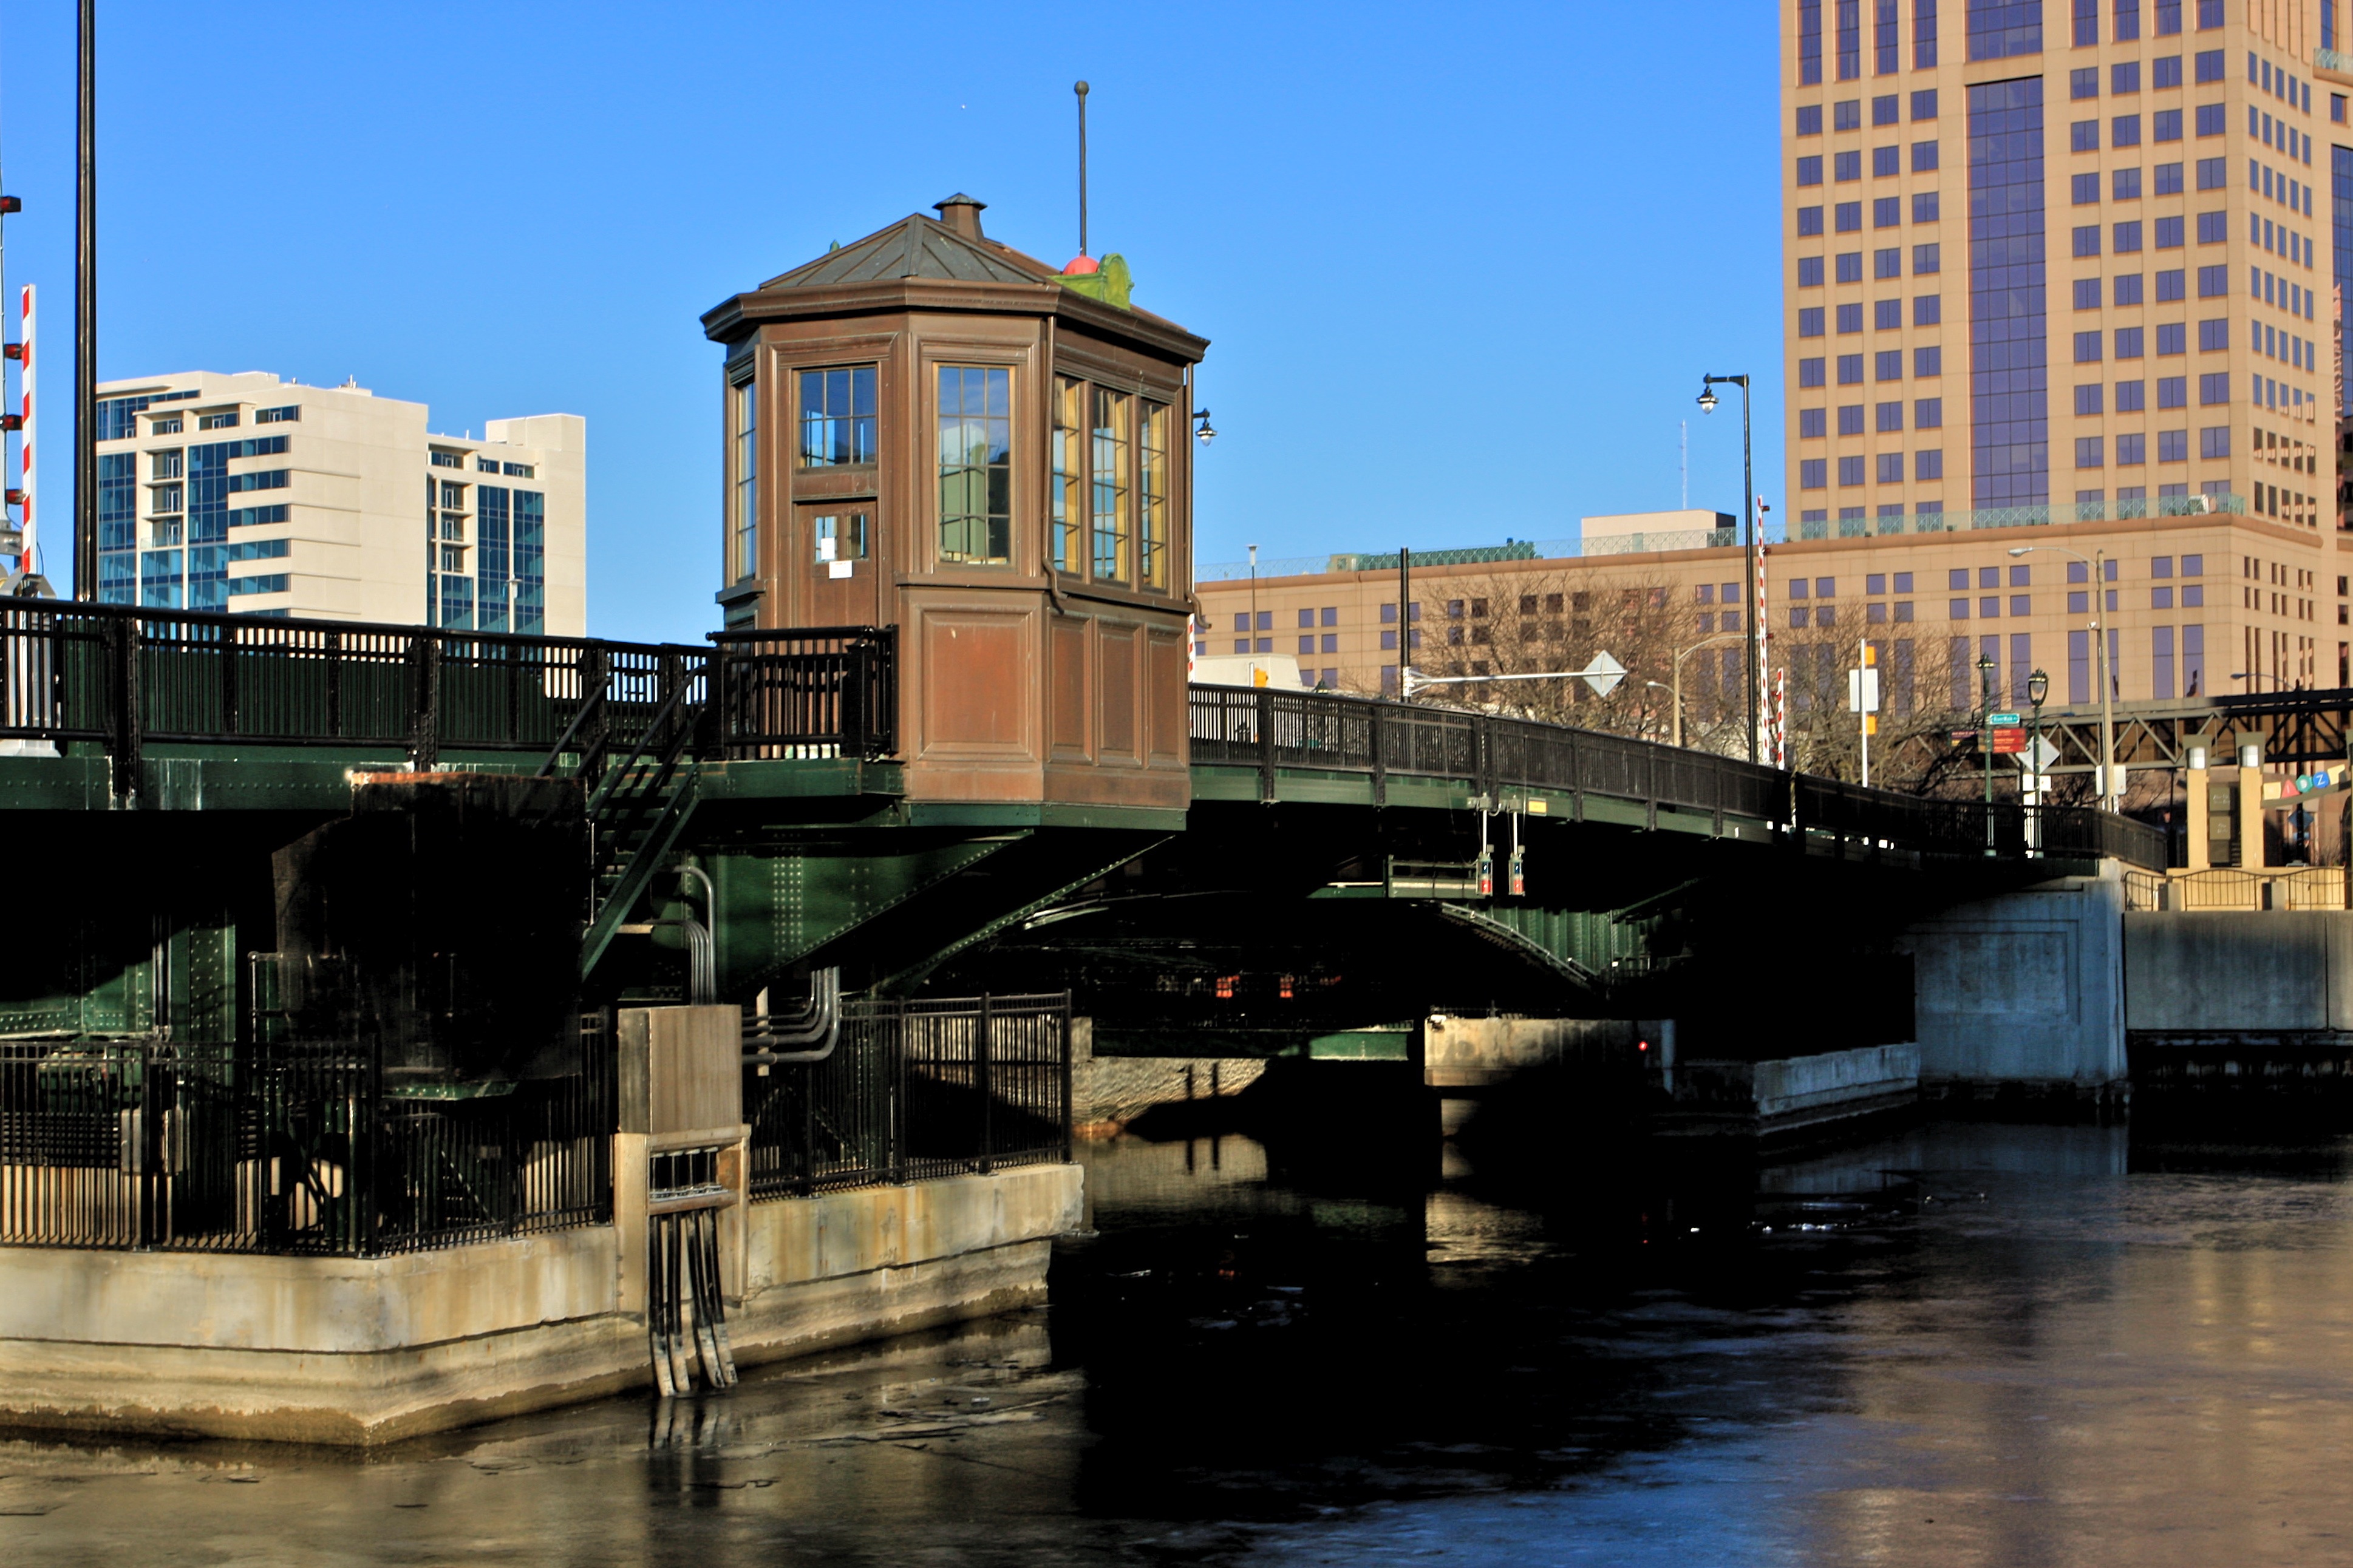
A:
[1964,1344]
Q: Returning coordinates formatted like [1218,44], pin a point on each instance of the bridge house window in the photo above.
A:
[744,524]
[1112,497]
[838,416]
[1066,489]
[975,463]
[1152,498]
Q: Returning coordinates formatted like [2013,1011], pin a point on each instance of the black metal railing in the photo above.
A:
[289,1148]
[817,690]
[914,1090]
[123,676]
[1269,730]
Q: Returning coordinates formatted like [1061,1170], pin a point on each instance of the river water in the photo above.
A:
[1964,1344]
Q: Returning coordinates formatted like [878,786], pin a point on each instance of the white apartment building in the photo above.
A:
[258,496]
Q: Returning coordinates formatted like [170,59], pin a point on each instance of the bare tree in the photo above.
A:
[1533,623]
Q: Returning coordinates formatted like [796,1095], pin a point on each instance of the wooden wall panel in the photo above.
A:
[977,683]
[1167,707]
[1120,727]
[1069,739]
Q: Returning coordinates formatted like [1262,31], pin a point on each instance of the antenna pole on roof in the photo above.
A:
[1081,91]
[85,555]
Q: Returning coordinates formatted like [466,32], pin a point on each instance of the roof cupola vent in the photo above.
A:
[961,212]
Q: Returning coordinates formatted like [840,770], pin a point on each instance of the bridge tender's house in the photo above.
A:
[928,430]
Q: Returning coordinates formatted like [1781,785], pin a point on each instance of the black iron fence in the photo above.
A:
[291,1147]
[916,1090]
[1269,730]
[122,677]
[819,690]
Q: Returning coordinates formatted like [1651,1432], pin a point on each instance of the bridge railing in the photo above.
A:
[1267,729]
[817,690]
[914,1090]
[123,676]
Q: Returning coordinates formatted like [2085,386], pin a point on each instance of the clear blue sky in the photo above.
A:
[1461,267]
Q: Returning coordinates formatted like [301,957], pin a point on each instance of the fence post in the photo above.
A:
[596,679]
[894,1060]
[1265,745]
[229,635]
[983,1047]
[858,698]
[1067,1111]
[424,703]
[334,683]
[129,731]
[367,1145]
[1379,710]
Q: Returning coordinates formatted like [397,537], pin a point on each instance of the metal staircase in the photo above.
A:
[640,794]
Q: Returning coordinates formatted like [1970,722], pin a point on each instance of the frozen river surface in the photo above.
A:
[1967,1345]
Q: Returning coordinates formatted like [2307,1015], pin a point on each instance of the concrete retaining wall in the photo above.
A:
[1108,1092]
[1795,1085]
[1791,1094]
[356,1350]
[1471,1053]
[2024,990]
[2266,971]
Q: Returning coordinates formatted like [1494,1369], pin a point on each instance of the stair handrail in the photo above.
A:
[603,792]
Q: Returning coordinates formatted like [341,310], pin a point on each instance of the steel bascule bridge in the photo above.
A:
[749,795]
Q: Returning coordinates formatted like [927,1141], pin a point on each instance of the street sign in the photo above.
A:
[2009,740]
[1862,691]
[2039,757]
[2002,721]
[1603,674]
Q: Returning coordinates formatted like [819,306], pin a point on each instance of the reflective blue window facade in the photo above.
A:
[159,579]
[490,558]
[1999,29]
[457,606]
[531,562]
[2340,217]
[208,576]
[2008,373]
[118,526]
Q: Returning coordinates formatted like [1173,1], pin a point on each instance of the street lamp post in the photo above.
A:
[2110,795]
[1677,667]
[2038,686]
[1707,401]
[1987,670]
[1405,624]
[1253,625]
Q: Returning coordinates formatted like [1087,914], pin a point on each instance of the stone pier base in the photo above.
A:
[368,1351]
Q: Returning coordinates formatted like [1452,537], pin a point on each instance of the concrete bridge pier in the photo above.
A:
[2019,997]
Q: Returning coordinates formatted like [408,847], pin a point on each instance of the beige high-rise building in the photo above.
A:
[2062,382]
[2064,263]
[263,497]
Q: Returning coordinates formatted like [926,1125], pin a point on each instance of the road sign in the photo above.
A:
[2039,757]
[1603,674]
[2002,721]
[2009,740]
[1862,691]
